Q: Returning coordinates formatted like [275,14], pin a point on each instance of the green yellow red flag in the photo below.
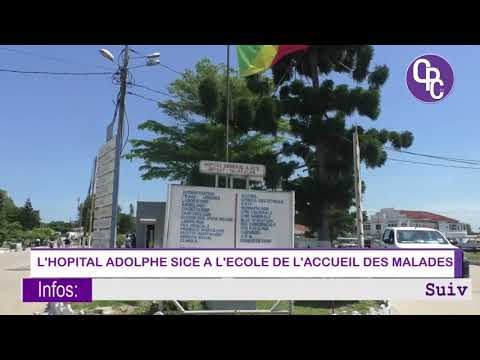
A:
[254,59]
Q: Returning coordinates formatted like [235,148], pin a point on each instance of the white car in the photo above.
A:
[416,238]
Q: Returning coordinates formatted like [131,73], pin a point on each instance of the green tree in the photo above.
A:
[84,211]
[8,210]
[317,109]
[11,231]
[126,222]
[199,129]
[29,218]
[60,226]
[43,233]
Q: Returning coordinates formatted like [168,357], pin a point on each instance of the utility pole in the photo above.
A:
[119,143]
[92,202]
[358,188]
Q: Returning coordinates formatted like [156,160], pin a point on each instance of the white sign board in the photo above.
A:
[105,167]
[102,201]
[104,189]
[104,179]
[104,223]
[101,235]
[107,148]
[204,217]
[232,169]
[101,212]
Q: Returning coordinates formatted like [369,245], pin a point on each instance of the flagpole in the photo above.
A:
[228,104]
[228,95]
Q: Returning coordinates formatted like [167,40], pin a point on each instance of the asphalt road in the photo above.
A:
[13,267]
[471,307]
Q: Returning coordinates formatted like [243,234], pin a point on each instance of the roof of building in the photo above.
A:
[425,215]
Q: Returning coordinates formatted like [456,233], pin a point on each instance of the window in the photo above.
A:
[392,224]
[367,227]
[453,227]
[420,237]
[386,235]
[378,227]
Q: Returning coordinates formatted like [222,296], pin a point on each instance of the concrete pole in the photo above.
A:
[119,142]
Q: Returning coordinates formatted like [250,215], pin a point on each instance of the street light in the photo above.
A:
[152,62]
[107,54]
[154,55]
[152,59]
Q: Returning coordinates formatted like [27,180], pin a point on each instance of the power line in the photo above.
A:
[471,162]
[169,68]
[143,97]
[128,132]
[433,164]
[445,158]
[54,73]
[65,61]
[162,65]
[150,89]
[452,159]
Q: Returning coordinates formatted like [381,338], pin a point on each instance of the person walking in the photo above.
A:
[67,241]
[133,240]
[128,241]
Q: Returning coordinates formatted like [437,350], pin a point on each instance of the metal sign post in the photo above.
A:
[218,202]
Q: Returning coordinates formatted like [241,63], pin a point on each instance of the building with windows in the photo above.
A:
[451,228]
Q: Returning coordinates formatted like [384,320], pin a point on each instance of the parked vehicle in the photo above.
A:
[417,238]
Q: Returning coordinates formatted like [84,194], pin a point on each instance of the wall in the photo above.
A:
[153,211]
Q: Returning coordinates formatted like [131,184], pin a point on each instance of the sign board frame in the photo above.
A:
[104,193]
[243,171]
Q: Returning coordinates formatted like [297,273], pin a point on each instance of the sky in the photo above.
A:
[51,127]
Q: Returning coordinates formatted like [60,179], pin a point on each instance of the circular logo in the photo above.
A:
[430,78]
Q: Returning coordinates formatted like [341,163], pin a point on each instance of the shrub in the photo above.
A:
[120,240]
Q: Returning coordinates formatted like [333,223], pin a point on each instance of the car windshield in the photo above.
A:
[420,237]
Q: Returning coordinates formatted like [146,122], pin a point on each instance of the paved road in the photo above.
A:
[13,267]
[445,307]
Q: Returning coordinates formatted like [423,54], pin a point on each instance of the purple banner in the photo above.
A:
[57,290]
[458,257]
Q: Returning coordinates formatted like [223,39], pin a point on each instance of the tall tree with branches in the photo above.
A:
[318,110]
[195,128]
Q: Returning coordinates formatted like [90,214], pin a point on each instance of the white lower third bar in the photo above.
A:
[274,289]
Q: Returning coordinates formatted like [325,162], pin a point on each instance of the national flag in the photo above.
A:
[254,59]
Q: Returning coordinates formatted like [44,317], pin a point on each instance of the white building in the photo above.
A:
[452,228]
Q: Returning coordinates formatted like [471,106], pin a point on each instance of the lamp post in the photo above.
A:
[152,59]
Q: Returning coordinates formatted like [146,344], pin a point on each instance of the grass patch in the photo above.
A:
[115,305]
[95,304]
[322,307]
[300,307]
[473,257]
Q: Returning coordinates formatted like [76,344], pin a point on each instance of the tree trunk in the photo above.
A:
[322,228]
